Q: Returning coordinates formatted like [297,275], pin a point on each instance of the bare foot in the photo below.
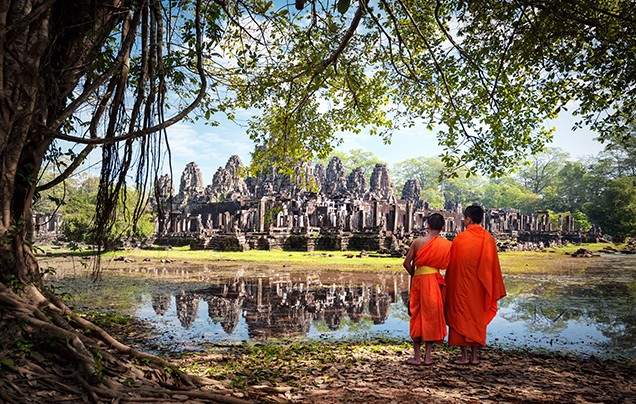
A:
[413,362]
[427,362]
[475,360]
[462,361]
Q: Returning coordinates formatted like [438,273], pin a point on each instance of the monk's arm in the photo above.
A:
[408,260]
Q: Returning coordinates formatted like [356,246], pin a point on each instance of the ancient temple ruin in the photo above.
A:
[318,208]
[46,226]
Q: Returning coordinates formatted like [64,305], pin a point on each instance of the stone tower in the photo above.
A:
[227,183]
[191,181]
[380,187]
[356,183]
[411,191]
[335,181]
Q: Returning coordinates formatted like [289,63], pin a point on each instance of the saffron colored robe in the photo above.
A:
[426,303]
[474,284]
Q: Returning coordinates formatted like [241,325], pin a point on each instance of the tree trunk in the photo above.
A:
[16,255]
[46,48]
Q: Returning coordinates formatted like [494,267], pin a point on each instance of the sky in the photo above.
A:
[211,146]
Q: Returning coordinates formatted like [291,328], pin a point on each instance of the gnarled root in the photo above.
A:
[67,358]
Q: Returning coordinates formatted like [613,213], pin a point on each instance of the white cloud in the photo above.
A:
[209,147]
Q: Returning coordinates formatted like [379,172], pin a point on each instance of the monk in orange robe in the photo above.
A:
[474,284]
[423,261]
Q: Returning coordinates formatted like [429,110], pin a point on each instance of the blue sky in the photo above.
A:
[211,146]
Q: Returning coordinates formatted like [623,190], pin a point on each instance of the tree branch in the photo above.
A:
[69,170]
[438,67]
[168,122]
[355,22]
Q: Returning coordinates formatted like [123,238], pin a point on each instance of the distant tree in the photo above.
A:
[434,197]
[355,158]
[508,193]
[437,186]
[581,221]
[363,158]
[427,170]
[542,169]
[618,159]
[78,210]
[53,198]
[463,190]
[615,208]
[573,186]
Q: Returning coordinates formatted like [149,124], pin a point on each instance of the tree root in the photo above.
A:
[74,359]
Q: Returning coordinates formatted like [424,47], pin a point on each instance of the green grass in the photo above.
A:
[315,259]
[552,260]
[570,248]
[113,293]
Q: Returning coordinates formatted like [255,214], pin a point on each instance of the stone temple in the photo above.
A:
[318,208]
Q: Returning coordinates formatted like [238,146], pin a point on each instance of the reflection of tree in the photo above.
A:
[161,303]
[187,307]
[547,308]
[612,306]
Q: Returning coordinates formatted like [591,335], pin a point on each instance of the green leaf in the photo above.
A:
[343,5]
[6,362]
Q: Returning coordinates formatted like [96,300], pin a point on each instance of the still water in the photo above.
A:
[587,313]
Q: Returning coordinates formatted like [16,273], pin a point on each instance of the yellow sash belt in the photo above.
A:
[425,271]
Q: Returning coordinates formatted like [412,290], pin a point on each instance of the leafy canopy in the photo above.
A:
[486,76]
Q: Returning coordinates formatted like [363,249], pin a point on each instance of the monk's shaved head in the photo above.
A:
[475,213]
[435,221]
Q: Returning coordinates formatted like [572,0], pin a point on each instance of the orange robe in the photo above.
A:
[426,303]
[474,284]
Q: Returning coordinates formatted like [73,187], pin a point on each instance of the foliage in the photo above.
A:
[541,171]
[52,199]
[353,159]
[588,189]
[487,76]
[427,170]
[507,193]
[78,210]
[615,208]
[581,221]
[438,187]
[433,197]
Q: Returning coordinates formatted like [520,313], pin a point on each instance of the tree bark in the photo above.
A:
[46,50]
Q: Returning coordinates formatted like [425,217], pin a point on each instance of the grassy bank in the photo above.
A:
[551,260]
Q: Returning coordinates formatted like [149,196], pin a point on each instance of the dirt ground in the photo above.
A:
[375,372]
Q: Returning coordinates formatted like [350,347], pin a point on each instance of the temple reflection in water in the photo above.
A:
[279,306]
